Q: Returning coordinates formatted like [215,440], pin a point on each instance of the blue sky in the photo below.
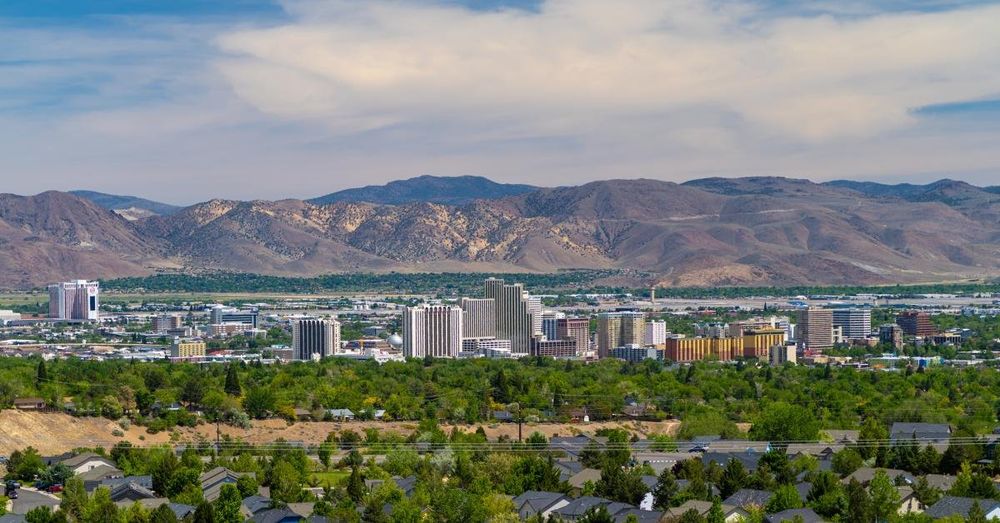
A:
[184,100]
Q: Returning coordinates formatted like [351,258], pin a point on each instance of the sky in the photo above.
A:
[185,100]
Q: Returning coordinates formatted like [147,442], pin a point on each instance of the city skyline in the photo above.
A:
[183,101]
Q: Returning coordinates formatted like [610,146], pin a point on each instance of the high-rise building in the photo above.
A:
[432,330]
[187,348]
[891,334]
[758,343]
[74,300]
[166,322]
[856,323]
[656,333]
[518,315]
[576,329]
[916,323]
[636,353]
[815,329]
[682,349]
[550,324]
[781,354]
[479,318]
[616,329]
[219,314]
[315,339]
[553,348]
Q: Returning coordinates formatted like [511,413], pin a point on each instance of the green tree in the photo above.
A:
[782,421]
[925,493]
[872,438]
[884,496]
[846,461]
[859,506]
[259,402]
[976,514]
[784,498]
[74,502]
[162,514]
[41,374]
[247,485]
[25,465]
[232,386]
[101,509]
[227,506]
[734,477]
[597,514]
[715,514]
[665,490]
[204,513]
[286,483]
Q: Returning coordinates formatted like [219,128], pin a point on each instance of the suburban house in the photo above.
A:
[864,475]
[746,497]
[533,502]
[213,480]
[29,404]
[955,506]
[87,461]
[730,514]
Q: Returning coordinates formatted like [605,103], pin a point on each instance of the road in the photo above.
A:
[28,499]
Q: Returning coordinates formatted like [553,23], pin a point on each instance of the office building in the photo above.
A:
[166,322]
[576,329]
[315,339]
[432,330]
[815,329]
[656,333]
[636,353]
[758,343]
[221,314]
[855,323]
[915,323]
[781,354]
[485,348]
[891,334]
[74,300]
[681,349]
[479,318]
[7,316]
[550,324]
[187,348]
[553,348]
[617,329]
[518,315]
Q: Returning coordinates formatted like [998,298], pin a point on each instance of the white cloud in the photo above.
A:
[812,79]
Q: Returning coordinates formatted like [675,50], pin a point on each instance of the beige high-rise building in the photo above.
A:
[815,329]
[479,318]
[75,300]
[617,329]
[518,314]
[313,339]
[576,329]
[187,348]
[167,322]
[432,330]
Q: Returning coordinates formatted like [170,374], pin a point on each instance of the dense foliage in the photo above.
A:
[572,281]
[785,403]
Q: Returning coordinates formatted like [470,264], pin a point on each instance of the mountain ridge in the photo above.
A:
[453,190]
[716,231]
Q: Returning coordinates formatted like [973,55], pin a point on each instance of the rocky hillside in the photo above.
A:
[705,232]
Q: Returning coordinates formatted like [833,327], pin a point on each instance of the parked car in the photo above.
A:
[11,494]
[55,488]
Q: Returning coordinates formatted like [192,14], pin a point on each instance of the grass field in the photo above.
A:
[330,479]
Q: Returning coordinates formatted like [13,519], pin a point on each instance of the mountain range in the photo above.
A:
[714,231]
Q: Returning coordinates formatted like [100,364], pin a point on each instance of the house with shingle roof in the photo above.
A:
[955,506]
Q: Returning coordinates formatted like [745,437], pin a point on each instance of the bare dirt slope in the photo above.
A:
[54,433]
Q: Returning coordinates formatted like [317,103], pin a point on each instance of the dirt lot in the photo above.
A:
[53,433]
